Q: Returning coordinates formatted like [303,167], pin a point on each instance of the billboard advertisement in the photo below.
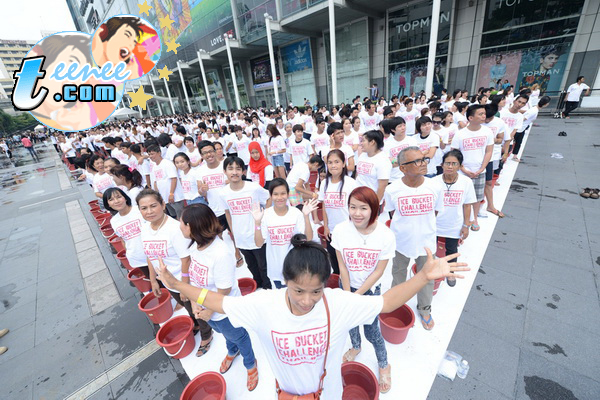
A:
[261,72]
[296,57]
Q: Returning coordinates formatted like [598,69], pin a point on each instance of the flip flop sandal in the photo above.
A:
[595,194]
[386,379]
[475,227]
[425,323]
[227,362]
[498,213]
[586,193]
[348,355]
[252,377]
[204,348]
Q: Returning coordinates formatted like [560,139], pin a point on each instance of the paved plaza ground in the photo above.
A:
[529,328]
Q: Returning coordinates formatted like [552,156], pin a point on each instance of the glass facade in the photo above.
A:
[215,90]
[409,29]
[526,44]
[239,78]
[352,54]
[290,7]
[251,16]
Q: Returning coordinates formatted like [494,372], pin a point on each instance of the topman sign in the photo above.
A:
[422,23]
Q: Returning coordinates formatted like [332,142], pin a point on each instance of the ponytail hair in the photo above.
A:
[306,257]
[130,175]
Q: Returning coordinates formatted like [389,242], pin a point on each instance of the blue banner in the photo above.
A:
[296,57]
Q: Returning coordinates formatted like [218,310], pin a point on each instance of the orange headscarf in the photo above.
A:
[258,166]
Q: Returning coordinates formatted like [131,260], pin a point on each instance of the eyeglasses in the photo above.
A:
[419,162]
[451,164]
[437,122]
[205,153]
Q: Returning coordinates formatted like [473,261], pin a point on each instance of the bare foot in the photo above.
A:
[350,355]
[385,379]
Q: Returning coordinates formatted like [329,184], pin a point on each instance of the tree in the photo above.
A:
[10,124]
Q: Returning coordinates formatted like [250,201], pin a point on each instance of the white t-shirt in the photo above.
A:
[277,232]
[189,184]
[361,253]
[172,149]
[255,177]
[472,144]
[512,121]
[410,118]
[574,91]
[528,117]
[413,222]
[214,268]
[450,219]
[102,182]
[132,193]
[299,171]
[239,204]
[277,144]
[161,176]
[66,147]
[369,170]
[433,140]
[241,147]
[320,142]
[351,139]
[392,148]
[194,156]
[300,152]
[347,150]
[335,204]
[295,345]
[497,126]
[168,243]
[371,122]
[215,179]
[129,228]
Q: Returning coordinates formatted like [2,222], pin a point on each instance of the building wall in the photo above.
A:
[586,47]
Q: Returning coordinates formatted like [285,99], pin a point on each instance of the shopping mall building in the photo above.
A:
[479,42]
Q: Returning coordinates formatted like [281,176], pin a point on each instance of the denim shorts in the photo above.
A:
[278,160]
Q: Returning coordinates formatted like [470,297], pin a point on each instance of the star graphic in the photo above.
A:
[145,8]
[164,73]
[172,46]
[139,98]
[166,22]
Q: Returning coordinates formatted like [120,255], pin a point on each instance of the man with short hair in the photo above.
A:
[573,94]
[166,182]
[513,119]
[476,142]
[414,201]
[29,146]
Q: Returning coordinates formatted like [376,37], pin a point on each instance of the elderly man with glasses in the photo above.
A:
[414,201]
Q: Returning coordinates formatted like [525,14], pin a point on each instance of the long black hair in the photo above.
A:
[342,157]
[307,257]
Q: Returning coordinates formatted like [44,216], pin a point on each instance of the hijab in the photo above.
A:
[258,166]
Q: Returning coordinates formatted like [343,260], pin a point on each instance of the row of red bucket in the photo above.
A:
[177,338]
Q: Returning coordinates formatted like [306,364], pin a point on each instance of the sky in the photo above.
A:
[23,19]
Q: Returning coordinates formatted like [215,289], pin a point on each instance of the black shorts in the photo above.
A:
[489,172]
[223,221]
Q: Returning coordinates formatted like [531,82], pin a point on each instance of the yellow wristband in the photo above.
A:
[202,296]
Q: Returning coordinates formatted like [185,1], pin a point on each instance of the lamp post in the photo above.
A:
[169,94]
[435,23]
[155,95]
[187,99]
[333,50]
[268,20]
[229,37]
[200,52]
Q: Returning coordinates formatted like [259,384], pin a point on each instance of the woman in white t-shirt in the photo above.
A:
[128,179]
[127,224]
[163,243]
[102,180]
[192,152]
[334,194]
[276,225]
[363,248]
[189,178]
[212,265]
[351,137]
[298,327]
[452,223]
[373,168]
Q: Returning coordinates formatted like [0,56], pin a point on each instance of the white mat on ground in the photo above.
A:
[414,362]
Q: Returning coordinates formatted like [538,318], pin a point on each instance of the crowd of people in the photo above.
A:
[278,183]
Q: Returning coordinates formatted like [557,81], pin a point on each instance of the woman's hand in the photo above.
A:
[257,213]
[171,198]
[464,233]
[309,206]
[204,315]
[165,276]
[327,233]
[156,288]
[440,268]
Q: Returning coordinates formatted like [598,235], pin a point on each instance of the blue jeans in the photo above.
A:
[372,333]
[197,200]
[236,339]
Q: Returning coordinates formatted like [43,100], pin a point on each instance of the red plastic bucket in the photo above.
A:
[176,336]
[436,283]
[206,386]
[122,256]
[246,285]
[94,208]
[107,231]
[102,217]
[395,324]
[159,309]
[137,277]
[441,248]
[333,281]
[93,203]
[321,233]
[388,223]
[359,382]
[116,243]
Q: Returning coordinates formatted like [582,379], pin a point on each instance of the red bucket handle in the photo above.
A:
[179,351]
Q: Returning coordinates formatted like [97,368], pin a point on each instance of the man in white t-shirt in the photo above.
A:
[414,201]
[398,141]
[212,178]
[476,142]
[164,180]
[573,94]
[513,119]
[410,116]
[501,133]
[320,140]
[371,119]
